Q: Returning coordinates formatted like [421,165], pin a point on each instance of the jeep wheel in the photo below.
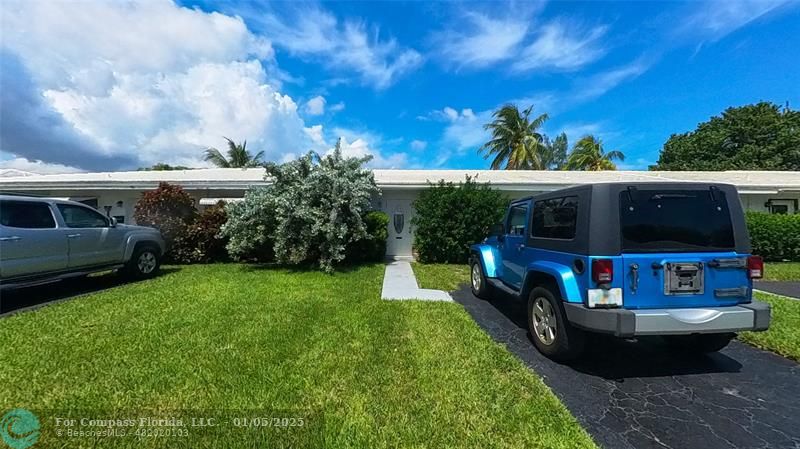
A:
[700,343]
[551,332]
[478,280]
[145,263]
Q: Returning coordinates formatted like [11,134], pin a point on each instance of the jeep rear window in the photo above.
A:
[675,221]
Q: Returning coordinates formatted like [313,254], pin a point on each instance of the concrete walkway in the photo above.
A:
[399,283]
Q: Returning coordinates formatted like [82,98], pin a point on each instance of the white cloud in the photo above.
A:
[337,107]
[600,83]
[316,105]
[716,19]
[36,166]
[346,46]
[418,145]
[561,45]
[481,40]
[363,143]
[107,86]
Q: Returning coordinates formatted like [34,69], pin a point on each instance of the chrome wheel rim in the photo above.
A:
[146,262]
[476,277]
[544,321]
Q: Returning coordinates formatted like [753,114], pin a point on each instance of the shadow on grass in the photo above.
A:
[605,356]
[29,298]
[307,268]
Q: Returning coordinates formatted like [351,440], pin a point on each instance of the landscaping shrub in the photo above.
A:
[775,237]
[168,208]
[250,226]
[202,242]
[373,247]
[450,217]
[312,211]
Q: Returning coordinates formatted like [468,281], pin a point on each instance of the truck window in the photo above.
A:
[516,219]
[675,220]
[82,217]
[26,214]
[555,218]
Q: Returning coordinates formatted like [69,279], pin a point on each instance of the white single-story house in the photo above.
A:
[116,193]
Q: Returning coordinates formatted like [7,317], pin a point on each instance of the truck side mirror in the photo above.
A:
[112,222]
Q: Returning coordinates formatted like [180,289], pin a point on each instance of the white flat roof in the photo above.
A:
[535,180]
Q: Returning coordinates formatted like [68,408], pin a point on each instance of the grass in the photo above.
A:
[782,271]
[783,336]
[233,338]
[441,276]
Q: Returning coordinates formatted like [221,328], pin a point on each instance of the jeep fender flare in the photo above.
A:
[490,259]
[543,272]
[135,239]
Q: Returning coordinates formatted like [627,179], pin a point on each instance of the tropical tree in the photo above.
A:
[554,154]
[238,156]
[516,142]
[588,154]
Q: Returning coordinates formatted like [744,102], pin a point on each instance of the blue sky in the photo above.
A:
[114,86]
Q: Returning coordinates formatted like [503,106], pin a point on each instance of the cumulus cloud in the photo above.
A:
[36,166]
[107,86]
[337,107]
[316,105]
[343,46]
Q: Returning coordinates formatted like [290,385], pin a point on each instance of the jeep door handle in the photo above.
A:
[520,246]
[73,236]
[12,238]
[635,277]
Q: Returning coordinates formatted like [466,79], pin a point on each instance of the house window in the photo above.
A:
[120,218]
[781,209]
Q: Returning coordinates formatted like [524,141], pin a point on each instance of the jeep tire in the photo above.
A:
[550,331]
[144,263]
[477,280]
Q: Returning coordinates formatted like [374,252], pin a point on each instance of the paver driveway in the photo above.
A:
[640,395]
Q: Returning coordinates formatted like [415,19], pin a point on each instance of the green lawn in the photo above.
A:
[441,276]
[783,336]
[233,338]
[782,271]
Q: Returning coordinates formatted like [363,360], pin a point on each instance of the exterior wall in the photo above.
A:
[395,202]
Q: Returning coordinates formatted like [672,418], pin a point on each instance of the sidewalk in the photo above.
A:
[400,283]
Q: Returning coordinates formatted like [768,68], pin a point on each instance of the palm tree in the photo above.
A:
[554,156]
[238,156]
[516,141]
[588,154]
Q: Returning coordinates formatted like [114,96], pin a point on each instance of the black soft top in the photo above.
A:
[598,228]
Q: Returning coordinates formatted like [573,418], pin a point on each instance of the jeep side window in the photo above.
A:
[555,218]
[82,217]
[26,215]
[516,219]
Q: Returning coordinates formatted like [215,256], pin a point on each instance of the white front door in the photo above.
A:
[401,238]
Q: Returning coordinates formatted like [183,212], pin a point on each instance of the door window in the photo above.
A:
[555,218]
[82,217]
[516,219]
[26,214]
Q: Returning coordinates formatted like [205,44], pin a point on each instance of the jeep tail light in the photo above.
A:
[755,267]
[602,271]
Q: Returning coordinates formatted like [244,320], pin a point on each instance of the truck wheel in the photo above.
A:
[145,263]
[477,280]
[552,334]
[700,343]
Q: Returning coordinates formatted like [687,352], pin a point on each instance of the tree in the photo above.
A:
[588,154]
[164,167]
[516,141]
[554,156]
[238,156]
[761,136]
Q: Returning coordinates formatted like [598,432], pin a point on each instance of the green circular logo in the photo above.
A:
[19,428]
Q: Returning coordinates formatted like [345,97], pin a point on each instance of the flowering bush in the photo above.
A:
[168,208]
[312,211]
[202,242]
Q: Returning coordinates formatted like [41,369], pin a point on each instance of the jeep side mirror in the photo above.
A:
[497,230]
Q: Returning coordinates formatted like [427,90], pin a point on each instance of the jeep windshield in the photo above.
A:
[675,221]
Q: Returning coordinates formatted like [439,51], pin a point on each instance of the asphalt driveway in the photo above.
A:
[640,395]
[790,289]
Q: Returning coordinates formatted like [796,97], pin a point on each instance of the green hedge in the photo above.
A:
[451,217]
[775,237]
[372,248]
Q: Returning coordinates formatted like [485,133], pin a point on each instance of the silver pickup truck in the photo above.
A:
[42,240]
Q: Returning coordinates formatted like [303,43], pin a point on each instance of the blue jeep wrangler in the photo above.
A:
[670,259]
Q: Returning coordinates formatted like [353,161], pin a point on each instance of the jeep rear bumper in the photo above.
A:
[754,316]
